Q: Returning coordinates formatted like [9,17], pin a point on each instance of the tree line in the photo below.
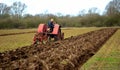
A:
[13,17]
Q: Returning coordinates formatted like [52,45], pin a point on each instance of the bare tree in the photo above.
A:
[93,10]
[18,8]
[113,8]
[4,9]
[59,14]
[82,12]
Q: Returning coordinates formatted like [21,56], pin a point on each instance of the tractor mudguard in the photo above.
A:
[56,29]
[42,28]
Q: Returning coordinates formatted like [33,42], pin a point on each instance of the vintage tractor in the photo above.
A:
[44,35]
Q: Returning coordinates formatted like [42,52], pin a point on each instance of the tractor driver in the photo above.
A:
[51,24]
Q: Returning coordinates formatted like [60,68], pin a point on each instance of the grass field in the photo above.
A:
[7,31]
[15,41]
[107,58]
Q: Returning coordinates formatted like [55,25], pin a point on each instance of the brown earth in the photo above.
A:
[68,54]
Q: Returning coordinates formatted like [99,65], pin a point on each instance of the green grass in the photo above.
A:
[77,31]
[15,41]
[108,57]
[7,31]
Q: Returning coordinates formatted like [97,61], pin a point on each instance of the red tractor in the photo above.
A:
[44,35]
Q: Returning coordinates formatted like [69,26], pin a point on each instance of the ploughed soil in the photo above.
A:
[68,54]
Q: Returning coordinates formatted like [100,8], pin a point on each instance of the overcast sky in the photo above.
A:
[71,7]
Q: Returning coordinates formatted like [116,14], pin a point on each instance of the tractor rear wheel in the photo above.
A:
[56,38]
